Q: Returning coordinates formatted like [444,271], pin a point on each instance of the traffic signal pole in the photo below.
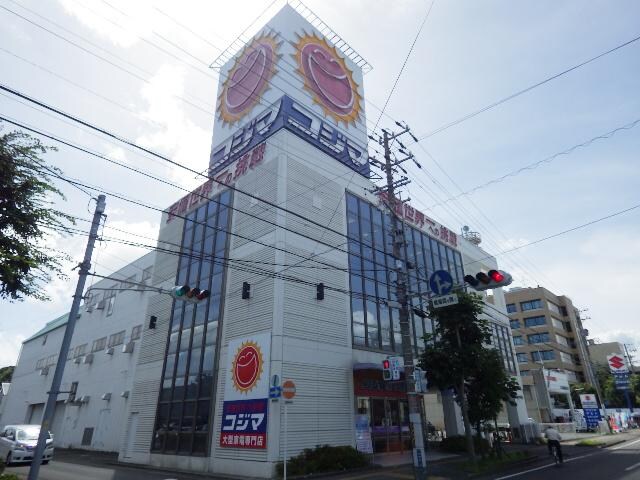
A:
[49,409]
[415,412]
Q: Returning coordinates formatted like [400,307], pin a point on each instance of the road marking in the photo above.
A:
[624,445]
[632,467]
[544,466]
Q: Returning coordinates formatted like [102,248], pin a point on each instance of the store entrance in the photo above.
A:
[389,424]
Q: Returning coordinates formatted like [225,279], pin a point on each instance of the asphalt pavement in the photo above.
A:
[617,462]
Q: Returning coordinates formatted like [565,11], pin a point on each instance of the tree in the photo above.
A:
[6,373]
[26,213]
[578,389]
[455,350]
[488,389]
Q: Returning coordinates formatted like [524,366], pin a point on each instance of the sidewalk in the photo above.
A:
[396,459]
[607,439]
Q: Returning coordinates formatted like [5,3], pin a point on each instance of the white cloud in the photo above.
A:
[121,30]
[10,344]
[177,135]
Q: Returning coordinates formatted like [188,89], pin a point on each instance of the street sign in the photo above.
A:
[622,380]
[275,392]
[444,300]
[288,389]
[396,364]
[590,409]
[617,364]
[441,282]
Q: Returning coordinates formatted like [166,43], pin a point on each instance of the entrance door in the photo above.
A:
[389,425]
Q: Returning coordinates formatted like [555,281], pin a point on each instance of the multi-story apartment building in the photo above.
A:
[547,333]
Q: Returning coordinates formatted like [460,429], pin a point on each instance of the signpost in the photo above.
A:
[288,392]
[591,410]
[620,371]
[444,300]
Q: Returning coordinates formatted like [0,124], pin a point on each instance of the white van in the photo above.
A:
[18,443]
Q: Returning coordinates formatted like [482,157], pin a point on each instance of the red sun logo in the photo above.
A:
[328,78]
[248,79]
[247,366]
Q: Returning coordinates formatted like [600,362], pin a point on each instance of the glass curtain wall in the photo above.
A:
[184,416]
[375,325]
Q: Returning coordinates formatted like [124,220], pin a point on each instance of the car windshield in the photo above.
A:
[28,434]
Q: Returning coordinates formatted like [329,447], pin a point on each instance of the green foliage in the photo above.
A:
[6,373]
[26,212]
[324,458]
[489,387]
[578,389]
[458,444]
[9,476]
[590,442]
[487,384]
[612,397]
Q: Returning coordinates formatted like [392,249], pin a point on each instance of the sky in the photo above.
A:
[129,66]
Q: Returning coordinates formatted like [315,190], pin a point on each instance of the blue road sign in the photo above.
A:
[441,282]
[275,392]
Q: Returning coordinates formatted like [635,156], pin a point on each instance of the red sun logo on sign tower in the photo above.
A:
[328,78]
[248,79]
[247,367]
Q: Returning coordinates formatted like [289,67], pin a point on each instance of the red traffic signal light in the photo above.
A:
[188,294]
[488,281]
[386,364]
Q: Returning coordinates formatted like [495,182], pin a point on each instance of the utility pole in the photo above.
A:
[627,394]
[415,412]
[49,410]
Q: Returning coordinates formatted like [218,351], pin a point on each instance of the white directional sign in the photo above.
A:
[444,300]
[396,364]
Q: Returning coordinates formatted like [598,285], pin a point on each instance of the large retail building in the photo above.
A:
[294,247]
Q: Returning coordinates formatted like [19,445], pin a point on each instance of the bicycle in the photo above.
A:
[556,455]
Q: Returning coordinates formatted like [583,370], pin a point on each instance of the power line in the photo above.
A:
[404,64]
[524,90]
[168,160]
[534,165]
[119,67]
[573,229]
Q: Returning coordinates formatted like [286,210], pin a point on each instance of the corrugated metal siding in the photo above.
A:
[154,342]
[242,316]
[263,184]
[321,412]
[303,184]
[144,399]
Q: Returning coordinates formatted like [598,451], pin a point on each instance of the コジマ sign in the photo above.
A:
[246,395]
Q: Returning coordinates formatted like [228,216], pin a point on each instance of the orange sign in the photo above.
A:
[288,389]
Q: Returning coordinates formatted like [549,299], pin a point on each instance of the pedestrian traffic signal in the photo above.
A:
[188,294]
[386,369]
[490,280]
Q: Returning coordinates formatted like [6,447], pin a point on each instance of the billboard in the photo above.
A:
[246,394]
[557,382]
[289,58]
[617,363]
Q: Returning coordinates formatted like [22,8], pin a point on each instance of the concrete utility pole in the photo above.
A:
[415,412]
[49,409]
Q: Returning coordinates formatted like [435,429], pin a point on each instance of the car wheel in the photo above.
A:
[45,462]
[9,460]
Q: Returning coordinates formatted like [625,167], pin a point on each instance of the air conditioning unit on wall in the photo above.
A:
[109,351]
[88,359]
[128,347]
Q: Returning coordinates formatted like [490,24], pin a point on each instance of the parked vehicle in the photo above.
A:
[18,443]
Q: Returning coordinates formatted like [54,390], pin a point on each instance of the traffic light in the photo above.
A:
[386,369]
[490,280]
[320,291]
[188,294]
[246,290]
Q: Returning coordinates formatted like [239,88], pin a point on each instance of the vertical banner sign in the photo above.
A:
[246,393]
[591,410]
